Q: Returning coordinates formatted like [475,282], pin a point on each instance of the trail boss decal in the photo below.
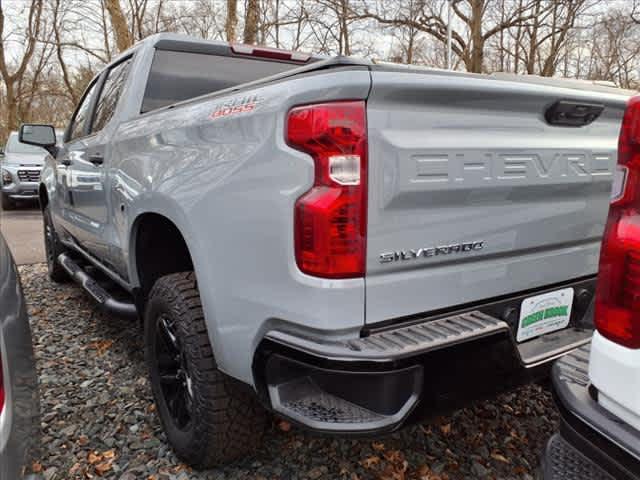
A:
[236,106]
[402,255]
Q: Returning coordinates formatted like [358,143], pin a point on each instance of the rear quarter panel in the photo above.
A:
[229,182]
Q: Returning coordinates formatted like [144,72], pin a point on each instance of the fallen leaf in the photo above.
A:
[500,458]
[101,346]
[284,426]
[109,454]
[445,429]
[394,456]
[370,461]
[103,468]
[93,458]
[378,446]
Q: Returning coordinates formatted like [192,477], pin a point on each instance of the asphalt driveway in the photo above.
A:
[22,229]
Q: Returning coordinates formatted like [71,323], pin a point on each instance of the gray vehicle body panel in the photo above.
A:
[456,160]
[229,184]
[19,421]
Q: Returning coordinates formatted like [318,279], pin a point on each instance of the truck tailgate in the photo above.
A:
[473,195]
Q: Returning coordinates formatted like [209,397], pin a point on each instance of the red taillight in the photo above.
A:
[617,309]
[331,218]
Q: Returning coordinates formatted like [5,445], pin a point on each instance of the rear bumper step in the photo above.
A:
[100,295]
[431,335]
[375,383]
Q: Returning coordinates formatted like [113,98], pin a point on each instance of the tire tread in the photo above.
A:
[230,420]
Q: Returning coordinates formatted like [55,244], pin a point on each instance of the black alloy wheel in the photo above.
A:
[175,381]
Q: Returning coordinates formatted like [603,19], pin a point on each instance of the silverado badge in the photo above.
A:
[414,254]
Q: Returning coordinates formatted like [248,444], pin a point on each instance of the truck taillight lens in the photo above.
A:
[617,309]
[331,218]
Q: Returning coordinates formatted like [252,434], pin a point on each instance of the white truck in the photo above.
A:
[598,389]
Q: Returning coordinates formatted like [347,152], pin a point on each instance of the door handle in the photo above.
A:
[96,159]
[572,114]
[66,162]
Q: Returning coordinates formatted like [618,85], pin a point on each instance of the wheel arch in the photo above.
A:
[155,236]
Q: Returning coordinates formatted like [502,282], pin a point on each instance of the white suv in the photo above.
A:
[598,389]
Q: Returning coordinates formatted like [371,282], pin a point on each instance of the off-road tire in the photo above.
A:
[230,422]
[53,248]
[7,203]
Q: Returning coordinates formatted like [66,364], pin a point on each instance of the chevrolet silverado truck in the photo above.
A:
[597,387]
[20,166]
[351,245]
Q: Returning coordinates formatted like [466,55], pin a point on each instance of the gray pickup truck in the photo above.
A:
[354,246]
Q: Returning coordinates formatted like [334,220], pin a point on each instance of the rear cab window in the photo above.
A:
[178,75]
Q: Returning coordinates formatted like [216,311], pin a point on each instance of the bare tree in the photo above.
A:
[29,37]
[232,20]
[58,18]
[472,28]
[119,23]
[252,16]
[614,52]
[538,44]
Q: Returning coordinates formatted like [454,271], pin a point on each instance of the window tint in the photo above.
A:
[80,117]
[110,95]
[178,76]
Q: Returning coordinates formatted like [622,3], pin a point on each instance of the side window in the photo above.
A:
[110,95]
[80,117]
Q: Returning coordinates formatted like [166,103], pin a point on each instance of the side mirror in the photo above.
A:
[39,135]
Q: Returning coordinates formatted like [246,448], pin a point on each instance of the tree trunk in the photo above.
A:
[232,20]
[344,28]
[251,22]
[13,122]
[477,40]
[119,24]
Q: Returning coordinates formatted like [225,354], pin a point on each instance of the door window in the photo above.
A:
[78,123]
[110,94]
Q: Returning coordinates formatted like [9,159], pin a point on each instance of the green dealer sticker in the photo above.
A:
[545,313]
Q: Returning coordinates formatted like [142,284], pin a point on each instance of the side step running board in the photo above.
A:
[106,301]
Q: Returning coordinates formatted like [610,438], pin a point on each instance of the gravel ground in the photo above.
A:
[98,416]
